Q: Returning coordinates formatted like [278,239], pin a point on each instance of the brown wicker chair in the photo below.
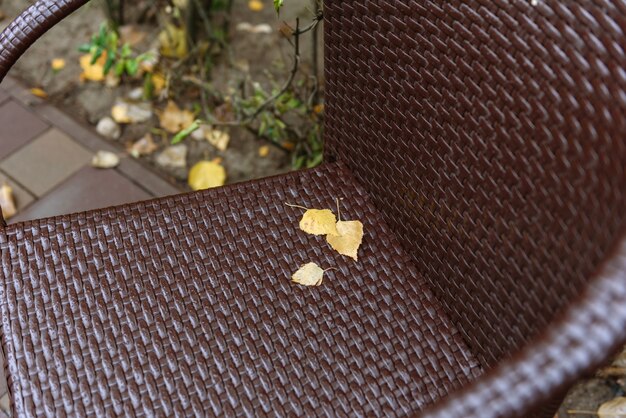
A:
[482,145]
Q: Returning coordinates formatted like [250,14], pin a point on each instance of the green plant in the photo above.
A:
[120,58]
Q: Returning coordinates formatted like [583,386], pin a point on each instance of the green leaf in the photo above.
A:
[278,4]
[185,132]
[108,64]
[119,68]
[84,48]
[96,55]
[132,66]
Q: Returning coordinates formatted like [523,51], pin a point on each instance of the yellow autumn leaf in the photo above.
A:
[36,91]
[319,222]
[173,42]
[206,174]
[119,113]
[219,139]
[309,275]
[349,239]
[615,408]
[57,64]
[264,151]
[95,71]
[174,120]
[158,81]
[7,202]
[255,5]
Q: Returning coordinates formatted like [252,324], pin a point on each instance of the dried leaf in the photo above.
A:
[262,28]
[57,64]
[145,146]
[615,408]
[174,120]
[255,5]
[309,275]
[349,239]
[206,174]
[36,91]
[7,201]
[95,71]
[105,159]
[219,139]
[173,42]
[158,81]
[264,151]
[317,109]
[319,222]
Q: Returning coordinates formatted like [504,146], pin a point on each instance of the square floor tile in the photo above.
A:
[46,161]
[89,188]
[17,127]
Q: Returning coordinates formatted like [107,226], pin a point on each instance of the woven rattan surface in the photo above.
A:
[491,136]
[184,306]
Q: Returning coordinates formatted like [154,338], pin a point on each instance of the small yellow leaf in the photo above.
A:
[318,109]
[615,408]
[264,151]
[319,222]
[173,41]
[92,72]
[255,5]
[205,175]
[57,64]
[309,275]
[174,120]
[36,91]
[158,80]
[349,239]
[7,202]
[219,139]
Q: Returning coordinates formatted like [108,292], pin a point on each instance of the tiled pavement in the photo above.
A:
[45,157]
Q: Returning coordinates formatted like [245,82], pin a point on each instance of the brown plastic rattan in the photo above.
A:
[482,145]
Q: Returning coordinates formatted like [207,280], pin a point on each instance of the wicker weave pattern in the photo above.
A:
[184,306]
[29,26]
[491,136]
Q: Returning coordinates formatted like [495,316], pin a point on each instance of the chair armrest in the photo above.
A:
[29,26]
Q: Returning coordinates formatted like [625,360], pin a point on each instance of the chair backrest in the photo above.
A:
[492,136]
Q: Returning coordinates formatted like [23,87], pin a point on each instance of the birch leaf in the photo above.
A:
[319,222]
[309,275]
[349,239]
[174,120]
[615,408]
[206,174]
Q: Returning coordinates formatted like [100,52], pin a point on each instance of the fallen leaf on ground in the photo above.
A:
[105,159]
[158,81]
[36,91]
[57,64]
[144,146]
[173,42]
[349,239]
[219,139]
[615,408]
[95,71]
[124,112]
[7,202]
[309,275]
[319,222]
[173,119]
[289,146]
[255,5]
[264,151]
[317,109]
[206,174]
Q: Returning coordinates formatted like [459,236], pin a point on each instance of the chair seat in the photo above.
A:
[184,305]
